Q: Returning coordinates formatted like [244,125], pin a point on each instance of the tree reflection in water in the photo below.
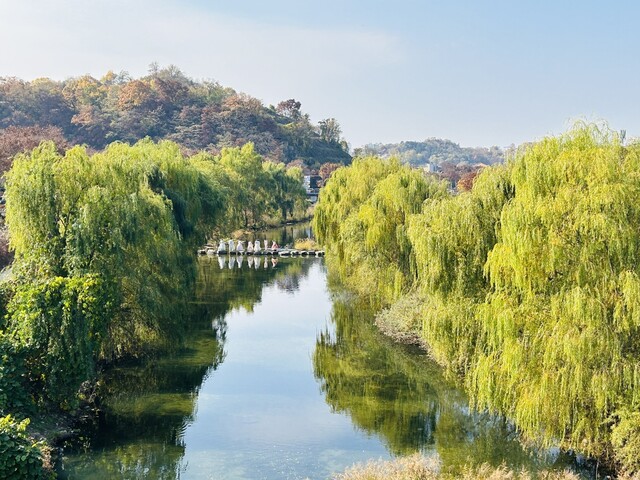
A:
[396,393]
[149,403]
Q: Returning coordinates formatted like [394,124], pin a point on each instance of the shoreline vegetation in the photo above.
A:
[524,288]
[73,305]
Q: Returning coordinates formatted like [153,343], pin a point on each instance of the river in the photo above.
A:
[283,377]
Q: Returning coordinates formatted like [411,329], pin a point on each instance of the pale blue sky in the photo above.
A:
[480,73]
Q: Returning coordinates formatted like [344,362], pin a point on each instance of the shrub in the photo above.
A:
[20,456]
[13,395]
[625,438]
[58,325]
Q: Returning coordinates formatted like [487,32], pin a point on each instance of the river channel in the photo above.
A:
[283,377]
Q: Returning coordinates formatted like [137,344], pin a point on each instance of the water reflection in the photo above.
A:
[399,395]
[240,401]
[149,404]
[286,235]
[231,262]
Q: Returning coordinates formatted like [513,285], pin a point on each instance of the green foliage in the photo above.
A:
[252,183]
[14,395]
[529,284]
[361,216]
[254,191]
[286,196]
[144,206]
[20,457]
[60,324]
[559,329]
[625,438]
[453,235]
[104,248]
[347,189]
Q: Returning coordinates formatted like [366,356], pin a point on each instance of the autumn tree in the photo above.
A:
[289,108]
[466,181]
[327,169]
[165,104]
[15,140]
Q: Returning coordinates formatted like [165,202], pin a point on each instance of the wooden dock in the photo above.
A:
[281,252]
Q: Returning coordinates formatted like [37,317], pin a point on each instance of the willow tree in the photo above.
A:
[528,285]
[286,193]
[251,185]
[561,328]
[386,248]
[117,228]
[361,216]
[347,189]
[451,239]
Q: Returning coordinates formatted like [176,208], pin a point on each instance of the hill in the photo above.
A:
[165,104]
[434,151]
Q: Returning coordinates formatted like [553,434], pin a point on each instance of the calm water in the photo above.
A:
[281,378]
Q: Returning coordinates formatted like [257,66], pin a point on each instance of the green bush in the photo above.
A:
[625,438]
[20,456]
[57,325]
[13,395]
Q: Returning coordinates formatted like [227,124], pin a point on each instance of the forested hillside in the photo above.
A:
[435,151]
[165,104]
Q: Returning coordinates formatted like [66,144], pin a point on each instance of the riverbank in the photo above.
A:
[270,224]
[524,288]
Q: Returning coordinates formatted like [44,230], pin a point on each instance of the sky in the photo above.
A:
[480,73]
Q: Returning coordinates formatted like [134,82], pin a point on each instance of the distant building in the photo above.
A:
[312,184]
[431,168]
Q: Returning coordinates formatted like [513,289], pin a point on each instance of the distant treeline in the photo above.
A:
[165,104]
[526,287]
[435,151]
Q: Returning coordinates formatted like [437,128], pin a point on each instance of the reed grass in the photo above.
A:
[418,467]
[306,244]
